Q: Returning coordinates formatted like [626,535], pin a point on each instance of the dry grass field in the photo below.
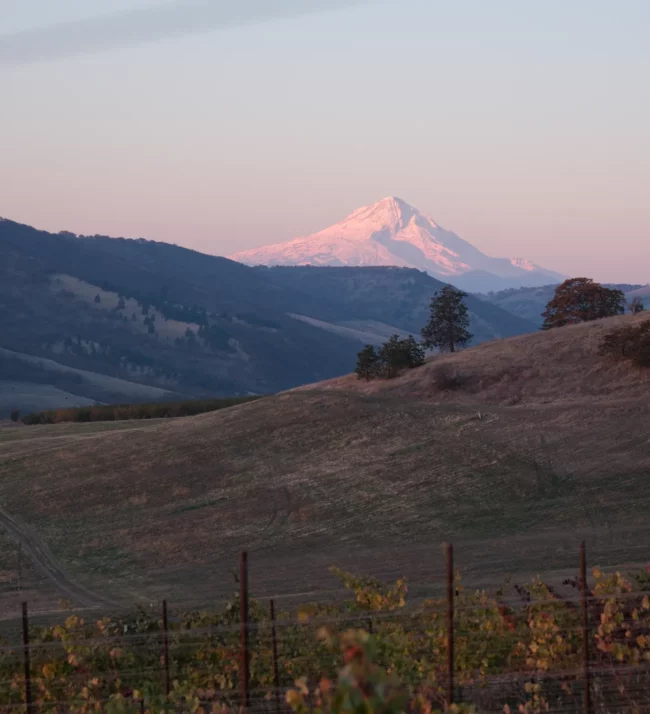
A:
[543,443]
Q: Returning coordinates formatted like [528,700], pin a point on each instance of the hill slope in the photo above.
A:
[547,442]
[390,232]
[133,309]
[106,319]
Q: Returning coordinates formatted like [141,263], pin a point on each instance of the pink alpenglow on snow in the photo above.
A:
[393,233]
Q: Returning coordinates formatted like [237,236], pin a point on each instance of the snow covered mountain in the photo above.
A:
[391,232]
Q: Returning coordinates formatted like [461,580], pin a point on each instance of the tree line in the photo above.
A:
[447,331]
[126,412]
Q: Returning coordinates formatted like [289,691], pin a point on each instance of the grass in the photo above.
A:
[369,476]
[197,506]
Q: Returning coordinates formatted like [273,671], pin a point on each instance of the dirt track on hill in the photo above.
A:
[46,563]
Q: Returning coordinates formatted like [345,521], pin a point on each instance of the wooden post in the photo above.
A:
[450,625]
[585,627]
[243,620]
[20,566]
[29,704]
[165,644]
[276,669]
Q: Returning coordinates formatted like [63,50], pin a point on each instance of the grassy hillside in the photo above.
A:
[116,318]
[544,443]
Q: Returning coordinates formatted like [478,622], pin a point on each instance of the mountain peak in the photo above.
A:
[390,213]
[391,232]
[395,203]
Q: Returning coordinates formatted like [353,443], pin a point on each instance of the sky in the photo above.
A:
[223,125]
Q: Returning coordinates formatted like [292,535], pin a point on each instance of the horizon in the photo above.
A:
[234,258]
[244,128]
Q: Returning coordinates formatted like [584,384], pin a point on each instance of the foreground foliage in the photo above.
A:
[517,650]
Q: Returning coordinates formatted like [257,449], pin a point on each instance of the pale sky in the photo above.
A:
[523,126]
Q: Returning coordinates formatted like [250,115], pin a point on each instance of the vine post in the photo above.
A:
[29,704]
[165,647]
[585,627]
[450,625]
[276,670]
[244,632]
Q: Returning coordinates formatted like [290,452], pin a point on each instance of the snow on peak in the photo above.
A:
[390,212]
[389,232]
[523,264]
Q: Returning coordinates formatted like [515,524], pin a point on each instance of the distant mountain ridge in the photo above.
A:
[393,233]
[85,319]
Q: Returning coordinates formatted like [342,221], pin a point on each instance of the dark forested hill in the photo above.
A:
[399,296]
[109,319]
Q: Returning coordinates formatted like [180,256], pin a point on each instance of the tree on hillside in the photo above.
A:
[121,304]
[447,329]
[414,352]
[636,306]
[97,299]
[397,354]
[367,361]
[394,355]
[582,300]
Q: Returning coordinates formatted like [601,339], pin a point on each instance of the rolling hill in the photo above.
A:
[543,443]
[109,319]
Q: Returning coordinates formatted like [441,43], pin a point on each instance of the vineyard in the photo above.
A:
[583,646]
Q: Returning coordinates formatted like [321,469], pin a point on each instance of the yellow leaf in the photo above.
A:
[293,698]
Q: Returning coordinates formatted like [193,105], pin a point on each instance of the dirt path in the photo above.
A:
[46,564]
